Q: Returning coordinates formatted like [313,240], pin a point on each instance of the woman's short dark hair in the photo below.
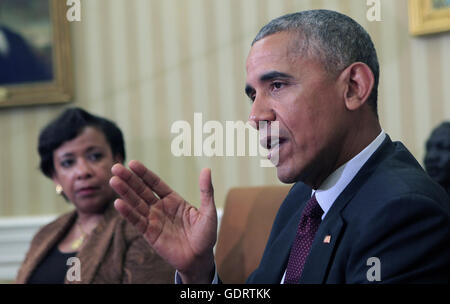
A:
[69,125]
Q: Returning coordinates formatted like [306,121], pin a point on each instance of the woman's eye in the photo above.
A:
[95,156]
[66,163]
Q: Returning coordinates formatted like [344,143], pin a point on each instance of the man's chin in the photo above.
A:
[290,175]
[285,176]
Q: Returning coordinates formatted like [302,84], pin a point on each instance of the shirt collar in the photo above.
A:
[334,184]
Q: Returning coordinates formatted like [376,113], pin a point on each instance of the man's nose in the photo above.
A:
[261,112]
[83,169]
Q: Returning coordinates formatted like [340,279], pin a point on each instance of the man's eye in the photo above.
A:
[277,85]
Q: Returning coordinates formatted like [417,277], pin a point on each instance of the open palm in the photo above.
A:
[182,234]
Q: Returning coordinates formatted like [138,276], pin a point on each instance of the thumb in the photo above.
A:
[206,190]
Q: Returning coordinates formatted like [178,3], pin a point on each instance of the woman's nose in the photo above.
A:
[83,169]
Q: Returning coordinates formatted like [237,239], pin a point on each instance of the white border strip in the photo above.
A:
[16,234]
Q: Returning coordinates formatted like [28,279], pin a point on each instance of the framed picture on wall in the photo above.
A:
[35,57]
[429,16]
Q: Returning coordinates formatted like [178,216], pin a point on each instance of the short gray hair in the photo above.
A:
[336,39]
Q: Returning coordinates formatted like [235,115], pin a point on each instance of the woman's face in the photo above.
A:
[83,169]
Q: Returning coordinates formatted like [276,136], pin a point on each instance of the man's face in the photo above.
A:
[296,91]
[437,158]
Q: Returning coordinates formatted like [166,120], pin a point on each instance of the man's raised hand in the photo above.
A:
[180,233]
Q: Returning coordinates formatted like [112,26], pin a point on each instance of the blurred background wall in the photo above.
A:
[148,63]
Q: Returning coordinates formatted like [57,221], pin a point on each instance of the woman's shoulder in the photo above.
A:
[55,225]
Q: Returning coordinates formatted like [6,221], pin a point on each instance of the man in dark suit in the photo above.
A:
[361,210]
[19,62]
[437,156]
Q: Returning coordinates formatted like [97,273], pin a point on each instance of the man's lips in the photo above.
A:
[271,142]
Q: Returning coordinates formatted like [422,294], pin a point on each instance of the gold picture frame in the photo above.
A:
[429,16]
[58,87]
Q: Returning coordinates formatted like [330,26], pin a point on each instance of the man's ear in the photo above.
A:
[359,82]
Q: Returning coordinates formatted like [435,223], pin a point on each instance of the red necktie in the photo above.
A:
[307,228]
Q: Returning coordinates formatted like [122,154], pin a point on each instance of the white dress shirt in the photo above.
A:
[334,184]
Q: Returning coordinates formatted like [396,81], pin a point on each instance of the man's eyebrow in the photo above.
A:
[274,75]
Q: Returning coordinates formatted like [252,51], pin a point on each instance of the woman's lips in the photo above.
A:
[87,191]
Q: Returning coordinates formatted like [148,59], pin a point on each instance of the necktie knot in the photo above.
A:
[313,209]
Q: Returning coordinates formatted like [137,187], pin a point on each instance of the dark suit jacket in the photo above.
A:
[114,253]
[391,210]
[21,64]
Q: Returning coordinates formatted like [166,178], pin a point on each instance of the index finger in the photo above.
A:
[150,179]
[131,187]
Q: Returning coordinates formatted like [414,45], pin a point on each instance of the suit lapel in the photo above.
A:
[279,253]
[327,239]
[319,260]
[320,256]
